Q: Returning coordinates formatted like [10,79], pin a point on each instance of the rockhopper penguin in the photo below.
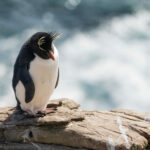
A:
[36,73]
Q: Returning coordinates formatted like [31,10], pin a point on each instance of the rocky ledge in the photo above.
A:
[70,128]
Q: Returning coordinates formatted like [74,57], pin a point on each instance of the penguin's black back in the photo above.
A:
[23,60]
[21,72]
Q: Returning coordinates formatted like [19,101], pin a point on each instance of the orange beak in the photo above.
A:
[51,54]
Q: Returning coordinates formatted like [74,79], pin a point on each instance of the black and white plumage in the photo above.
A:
[36,72]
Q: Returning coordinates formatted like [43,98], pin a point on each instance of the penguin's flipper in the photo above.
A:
[28,84]
[57,79]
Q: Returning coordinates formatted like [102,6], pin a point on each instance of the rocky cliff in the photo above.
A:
[70,128]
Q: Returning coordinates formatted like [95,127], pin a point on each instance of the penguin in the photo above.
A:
[36,74]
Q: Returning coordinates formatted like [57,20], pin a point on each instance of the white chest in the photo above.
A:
[44,70]
[44,73]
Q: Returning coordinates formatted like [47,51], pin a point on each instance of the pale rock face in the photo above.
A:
[75,128]
[44,74]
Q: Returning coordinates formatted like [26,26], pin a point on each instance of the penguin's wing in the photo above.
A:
[28,84]
[57,79]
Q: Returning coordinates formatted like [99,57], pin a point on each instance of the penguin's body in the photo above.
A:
[36,73]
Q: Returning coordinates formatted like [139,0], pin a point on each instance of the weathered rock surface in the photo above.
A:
[70,128]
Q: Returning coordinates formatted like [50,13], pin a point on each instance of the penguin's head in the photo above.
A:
[41,44]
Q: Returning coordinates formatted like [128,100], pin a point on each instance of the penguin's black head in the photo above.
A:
[41,44]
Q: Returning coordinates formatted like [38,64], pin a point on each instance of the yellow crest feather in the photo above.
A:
[40,42]
[56,36]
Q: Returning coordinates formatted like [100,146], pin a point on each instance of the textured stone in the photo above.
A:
[72,128]
[35,146]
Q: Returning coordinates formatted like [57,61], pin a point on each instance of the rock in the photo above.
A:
[35,146]
[70,128]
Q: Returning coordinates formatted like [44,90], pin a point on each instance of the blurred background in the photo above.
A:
[104,50]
